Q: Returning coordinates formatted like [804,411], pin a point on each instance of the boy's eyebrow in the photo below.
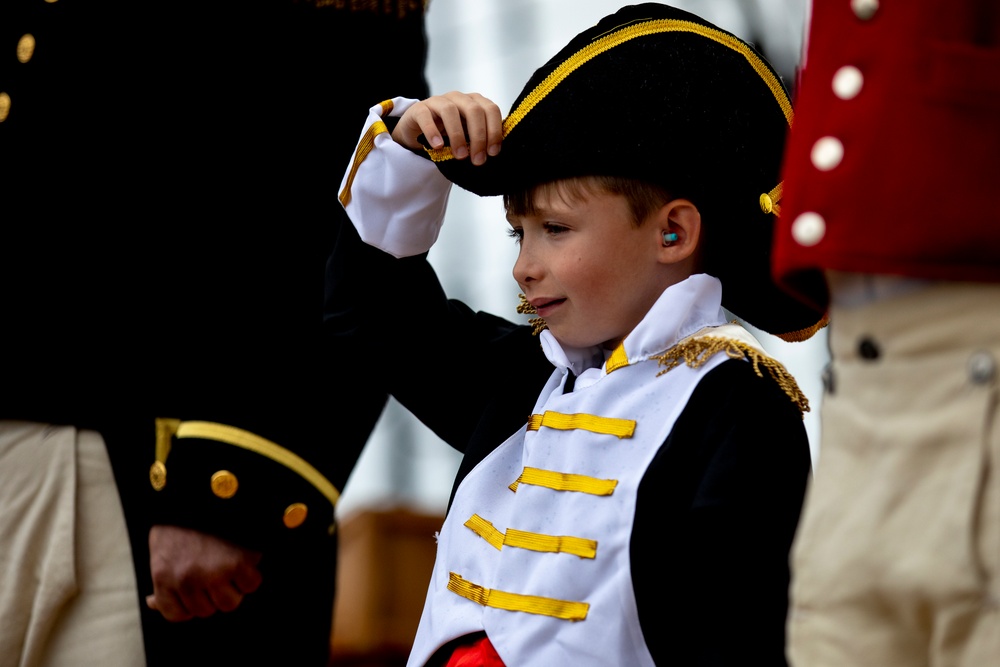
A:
[542,211]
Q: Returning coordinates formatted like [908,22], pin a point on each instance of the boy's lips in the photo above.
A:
[543,305]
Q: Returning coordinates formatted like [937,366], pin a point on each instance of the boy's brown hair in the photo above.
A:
[642,198]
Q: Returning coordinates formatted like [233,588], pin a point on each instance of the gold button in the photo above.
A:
[295,515]
[766,204]
[158,475]
[224,484]
[25,48]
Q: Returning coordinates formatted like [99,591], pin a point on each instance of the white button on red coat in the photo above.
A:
[847,82]
[827,153]
[808,228]
[864,9]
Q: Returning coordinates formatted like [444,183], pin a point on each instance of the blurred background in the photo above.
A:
[492,47]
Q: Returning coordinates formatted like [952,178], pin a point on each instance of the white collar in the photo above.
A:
[682,309]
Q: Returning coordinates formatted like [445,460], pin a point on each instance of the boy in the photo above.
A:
[633,505]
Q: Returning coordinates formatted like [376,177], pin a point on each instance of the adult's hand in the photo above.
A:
[196,574]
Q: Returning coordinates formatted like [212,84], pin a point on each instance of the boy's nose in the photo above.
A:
[526,269]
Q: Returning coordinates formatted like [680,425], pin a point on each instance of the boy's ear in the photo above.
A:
[678,230]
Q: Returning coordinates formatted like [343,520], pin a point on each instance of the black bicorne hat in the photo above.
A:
[659,94]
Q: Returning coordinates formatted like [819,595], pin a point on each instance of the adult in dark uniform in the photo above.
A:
[890,220]
[167,171]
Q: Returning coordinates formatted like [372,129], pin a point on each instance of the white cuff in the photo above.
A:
[395,198]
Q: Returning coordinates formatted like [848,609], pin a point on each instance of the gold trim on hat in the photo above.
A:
[620,36]
[631,32]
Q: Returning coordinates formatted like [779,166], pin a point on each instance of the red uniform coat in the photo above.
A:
[893,163]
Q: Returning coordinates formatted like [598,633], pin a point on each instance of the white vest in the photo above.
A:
[544,567]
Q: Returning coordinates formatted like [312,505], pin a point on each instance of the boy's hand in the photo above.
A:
[472,123]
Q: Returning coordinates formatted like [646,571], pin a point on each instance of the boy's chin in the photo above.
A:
[581,341]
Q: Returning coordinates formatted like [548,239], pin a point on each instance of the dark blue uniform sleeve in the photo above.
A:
[441,359]
[716,515]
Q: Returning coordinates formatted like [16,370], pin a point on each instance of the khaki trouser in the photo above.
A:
[67,584]
[897,559]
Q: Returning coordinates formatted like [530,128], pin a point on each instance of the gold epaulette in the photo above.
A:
[696,350]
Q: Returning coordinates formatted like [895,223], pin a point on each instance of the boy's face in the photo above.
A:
[585,267]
